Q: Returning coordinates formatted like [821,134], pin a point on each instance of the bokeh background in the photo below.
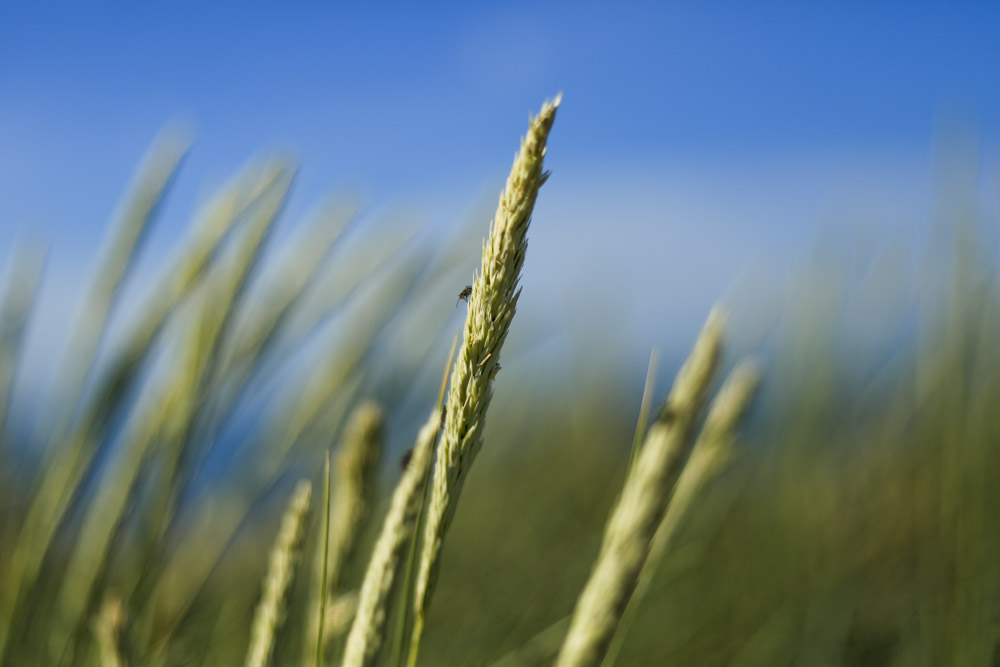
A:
[698,144]
[829,173]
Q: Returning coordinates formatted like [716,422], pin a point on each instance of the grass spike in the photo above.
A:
[270,612]
[491,309]
[711,453]
[640,508]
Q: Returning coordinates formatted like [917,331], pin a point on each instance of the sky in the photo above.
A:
[699,148]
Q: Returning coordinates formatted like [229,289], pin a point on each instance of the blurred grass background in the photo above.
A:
[141,499]
[159,410]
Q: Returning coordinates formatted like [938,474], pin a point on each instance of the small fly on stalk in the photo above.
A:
[464,295]
[404,462]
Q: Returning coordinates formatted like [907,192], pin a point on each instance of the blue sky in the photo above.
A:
[697,144]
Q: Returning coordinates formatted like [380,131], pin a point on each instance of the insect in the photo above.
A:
[496,369]
[405,461]
[464,295]
[667,413]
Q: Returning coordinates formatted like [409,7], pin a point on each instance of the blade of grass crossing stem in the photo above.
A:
[353,487]
[645,406]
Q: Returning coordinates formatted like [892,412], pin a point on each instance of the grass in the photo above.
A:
[820,511]
[270,614]
[492,302]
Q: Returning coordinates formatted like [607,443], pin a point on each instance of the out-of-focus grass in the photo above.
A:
[207,390]
[854,524]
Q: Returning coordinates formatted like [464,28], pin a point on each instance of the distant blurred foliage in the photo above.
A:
[854,523]
[151,474]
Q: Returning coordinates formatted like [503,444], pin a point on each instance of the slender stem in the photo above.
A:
[647,404]
[326,559]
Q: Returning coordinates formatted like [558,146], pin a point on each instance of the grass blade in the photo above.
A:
[357,463]
[321,610]
[647,402]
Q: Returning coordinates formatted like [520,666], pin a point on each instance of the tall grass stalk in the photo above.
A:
[270,612]
[344,357]
[712,451]
[250,345]
[357,462]
[63,474]
[181,452]
[156,422]
[490,311]
[640,509]
[223,291]
[210,533]
[367,633]
[326,391]
[185,275]
[133,222]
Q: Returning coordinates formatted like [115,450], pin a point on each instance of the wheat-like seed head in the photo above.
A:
[340,613]
[640,508]
[107,629]
[69,461]
[281,568]
[123,242]
[491,307]
[711,452]
[354,484]
[368,630]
